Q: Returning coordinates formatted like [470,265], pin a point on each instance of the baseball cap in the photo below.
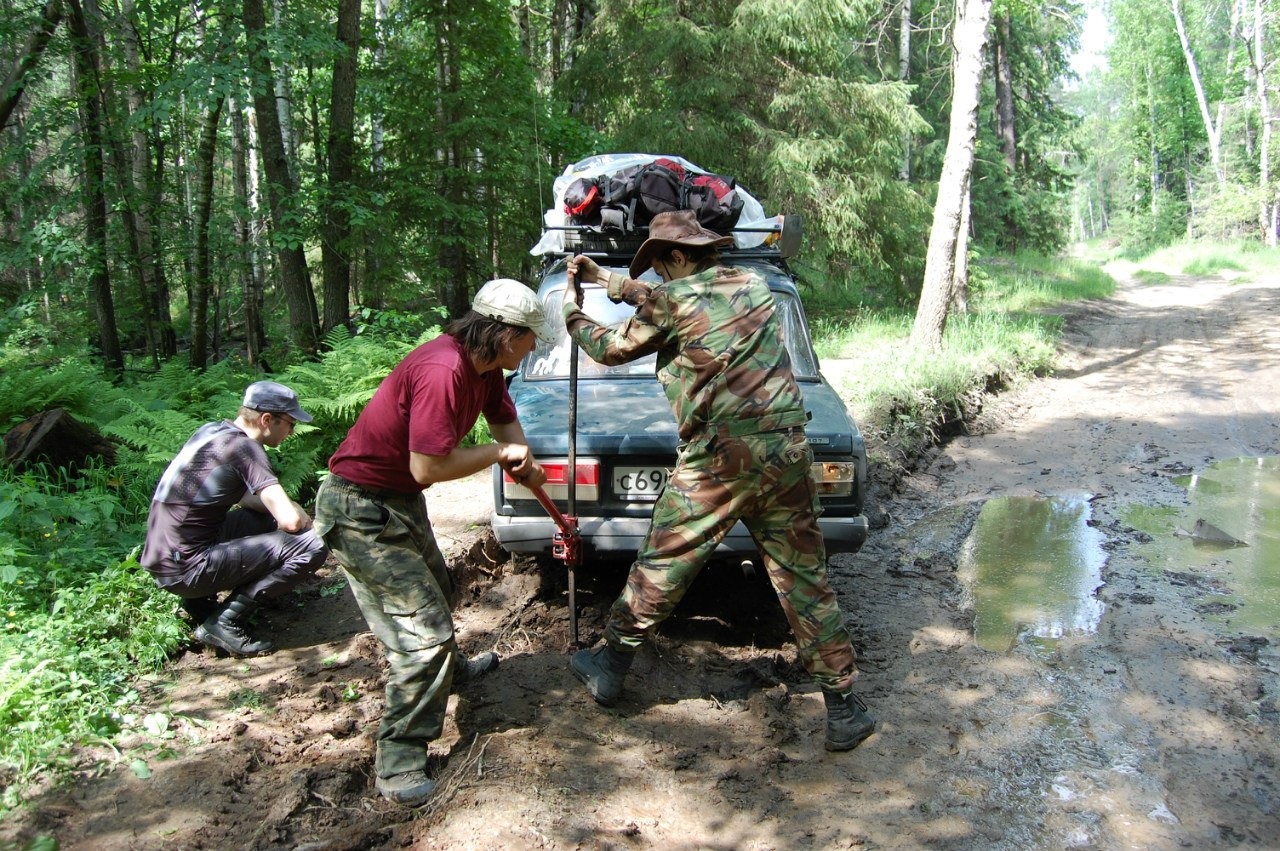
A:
[515,304]
[274,398]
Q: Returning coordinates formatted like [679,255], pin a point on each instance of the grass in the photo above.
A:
[903,397]
[1241,261]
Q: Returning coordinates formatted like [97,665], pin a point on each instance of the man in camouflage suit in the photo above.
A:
[743,456]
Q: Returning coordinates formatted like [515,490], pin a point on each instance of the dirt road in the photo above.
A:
[1153,727]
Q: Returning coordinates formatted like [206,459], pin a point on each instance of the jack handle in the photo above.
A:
[566,545]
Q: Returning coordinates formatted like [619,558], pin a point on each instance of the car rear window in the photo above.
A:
[551,360]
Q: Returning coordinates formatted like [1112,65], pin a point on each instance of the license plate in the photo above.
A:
[638,483]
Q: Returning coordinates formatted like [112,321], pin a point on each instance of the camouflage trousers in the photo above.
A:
[764,480]
[386,547]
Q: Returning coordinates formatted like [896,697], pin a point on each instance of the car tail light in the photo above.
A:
[557,486]
[835,478]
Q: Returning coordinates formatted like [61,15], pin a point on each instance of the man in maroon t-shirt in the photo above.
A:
[372,514]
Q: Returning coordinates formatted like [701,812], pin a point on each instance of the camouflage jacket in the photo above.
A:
[721,359]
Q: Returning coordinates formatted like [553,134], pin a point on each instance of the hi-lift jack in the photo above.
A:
[567,543]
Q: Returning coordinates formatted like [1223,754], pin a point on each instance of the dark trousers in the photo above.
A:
[253,557]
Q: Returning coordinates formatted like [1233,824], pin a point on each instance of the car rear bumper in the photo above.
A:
[533,535]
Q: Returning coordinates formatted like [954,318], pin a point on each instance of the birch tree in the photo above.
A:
[968,39]
[1211,128]
[294,275]
[14,83]
[1269,196]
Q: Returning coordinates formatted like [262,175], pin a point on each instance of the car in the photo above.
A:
[626,433]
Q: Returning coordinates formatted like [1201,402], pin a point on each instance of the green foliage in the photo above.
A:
[1026,206]
[772,93]
[902,396]
[77,619]
[1147,276]
[1149,163]
[1239,260]
[1028,281]
[1143,230]
[27,388]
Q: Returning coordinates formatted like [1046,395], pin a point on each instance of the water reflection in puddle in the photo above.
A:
[1031,567]
[1240,584]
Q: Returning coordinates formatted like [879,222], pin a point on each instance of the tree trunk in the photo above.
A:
[341,143]
[1212,131]
[904,75]
[283,87]
[56,438]
[160,299]
[373,288]
[294,275]
[525,32]
[85,72]
[453,290]
[250,281]
[1267,211]
[972,17]
[1153,128]
[317,139]
[557,39]
[960,279]
[15,82]
[1004,93]
[260,222]
[203,208]
[142,190]
[122,169]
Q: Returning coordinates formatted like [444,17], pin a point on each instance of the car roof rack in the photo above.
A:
[597,244]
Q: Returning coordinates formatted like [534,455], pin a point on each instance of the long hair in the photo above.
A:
[482,338]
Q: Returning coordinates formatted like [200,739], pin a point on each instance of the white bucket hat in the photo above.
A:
[512,302]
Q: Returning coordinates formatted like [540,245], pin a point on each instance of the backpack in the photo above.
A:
[629,199]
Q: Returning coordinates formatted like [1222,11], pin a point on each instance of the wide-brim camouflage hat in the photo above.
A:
[510,301]
[678,227]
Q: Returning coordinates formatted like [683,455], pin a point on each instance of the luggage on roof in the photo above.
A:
[605,203]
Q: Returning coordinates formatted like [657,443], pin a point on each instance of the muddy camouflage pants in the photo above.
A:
[385,544]
[764,480]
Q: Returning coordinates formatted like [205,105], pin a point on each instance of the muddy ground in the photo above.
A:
[1157,731]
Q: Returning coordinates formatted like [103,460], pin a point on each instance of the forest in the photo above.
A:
[194,194]
[227,180]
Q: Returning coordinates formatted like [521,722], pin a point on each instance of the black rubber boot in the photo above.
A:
[602,671]
[474,668]
[199,609]
[848,721]
[226,629]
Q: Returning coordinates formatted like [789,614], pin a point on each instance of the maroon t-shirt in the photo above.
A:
[426,405]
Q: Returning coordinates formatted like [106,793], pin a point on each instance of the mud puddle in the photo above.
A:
[1225,541]
[1031,568]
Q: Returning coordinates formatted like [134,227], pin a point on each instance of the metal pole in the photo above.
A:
[573,483]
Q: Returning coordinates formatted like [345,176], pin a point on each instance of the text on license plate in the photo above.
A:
[638,483]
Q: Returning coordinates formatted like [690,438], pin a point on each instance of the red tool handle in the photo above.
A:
[561,520]
[567,544]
